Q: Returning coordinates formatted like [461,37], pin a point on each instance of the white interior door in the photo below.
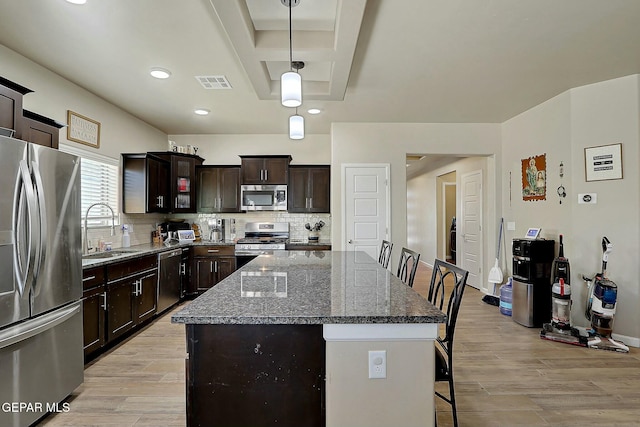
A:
[470,228]
[366,207]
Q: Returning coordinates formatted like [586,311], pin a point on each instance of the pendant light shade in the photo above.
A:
[291,82]
[296,127]
[291,89]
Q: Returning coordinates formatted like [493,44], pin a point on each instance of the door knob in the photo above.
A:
[350,241]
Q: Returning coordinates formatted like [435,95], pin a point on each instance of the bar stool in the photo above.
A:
[385,253]
[444,348]
[407,266]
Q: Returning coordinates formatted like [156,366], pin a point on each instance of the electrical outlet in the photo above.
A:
[378,364]
[511,226]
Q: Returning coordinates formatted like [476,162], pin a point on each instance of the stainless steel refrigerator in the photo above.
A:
[41,356]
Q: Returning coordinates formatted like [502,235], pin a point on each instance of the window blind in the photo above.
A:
[99,184]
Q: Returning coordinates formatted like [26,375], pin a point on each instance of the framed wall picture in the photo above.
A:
[534,178]
[603,162]
[82,129]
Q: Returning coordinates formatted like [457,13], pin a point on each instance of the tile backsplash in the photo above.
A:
[296,222]
[143,224]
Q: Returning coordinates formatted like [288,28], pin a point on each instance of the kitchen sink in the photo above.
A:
[109,254]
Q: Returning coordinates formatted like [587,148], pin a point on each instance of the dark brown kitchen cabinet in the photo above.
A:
[120,305]
[145,183]
[287,383]
[94,306]
[132,290]
[182,182]
[11,106]
[185,270]
[40,130]
[218,189]
[265,169]
[211,264]
[309,189]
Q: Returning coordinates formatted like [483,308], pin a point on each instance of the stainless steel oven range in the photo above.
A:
[261,238]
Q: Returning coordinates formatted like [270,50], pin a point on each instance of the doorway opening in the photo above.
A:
[439,189]
[447,206]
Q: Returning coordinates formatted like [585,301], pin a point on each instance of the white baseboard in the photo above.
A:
[426,263]
[629,341]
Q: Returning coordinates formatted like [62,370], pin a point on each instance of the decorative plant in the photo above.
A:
[316,227]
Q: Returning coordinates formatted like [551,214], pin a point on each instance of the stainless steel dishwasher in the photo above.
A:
[169,278]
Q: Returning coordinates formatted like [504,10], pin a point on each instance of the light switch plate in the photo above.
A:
[511,226]
[587,198]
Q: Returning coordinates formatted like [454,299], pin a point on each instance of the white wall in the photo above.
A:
[225,149]
[389,143]
[52,96]
[593,115]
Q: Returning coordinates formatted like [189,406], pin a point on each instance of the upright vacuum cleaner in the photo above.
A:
[600,307]
[560,327]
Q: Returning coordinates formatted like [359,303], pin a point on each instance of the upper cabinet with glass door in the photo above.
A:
[182,183]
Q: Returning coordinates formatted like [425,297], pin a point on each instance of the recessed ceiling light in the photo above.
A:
[160,73]
[77,1]
[201,111]
[314,111]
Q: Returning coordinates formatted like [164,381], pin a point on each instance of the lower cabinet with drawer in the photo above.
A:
[94,300]
[211,264]
[132,292]
[116,298]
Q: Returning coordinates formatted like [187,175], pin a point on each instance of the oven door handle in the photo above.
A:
[254,253]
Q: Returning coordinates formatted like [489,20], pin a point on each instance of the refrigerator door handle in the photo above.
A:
[24,274]
[41,249]
[31,328]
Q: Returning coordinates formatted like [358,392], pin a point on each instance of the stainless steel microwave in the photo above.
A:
[263,197]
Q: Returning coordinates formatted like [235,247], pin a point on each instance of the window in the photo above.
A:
[99,184]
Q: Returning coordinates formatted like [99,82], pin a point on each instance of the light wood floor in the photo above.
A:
[505,376]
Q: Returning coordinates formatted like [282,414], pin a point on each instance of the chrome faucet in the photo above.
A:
[85,247]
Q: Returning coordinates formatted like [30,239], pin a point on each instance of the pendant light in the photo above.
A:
[296,126]
[290,81]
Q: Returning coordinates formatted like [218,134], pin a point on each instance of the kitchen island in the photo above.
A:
[285,340]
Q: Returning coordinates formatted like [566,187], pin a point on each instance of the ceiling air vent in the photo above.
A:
[214,82]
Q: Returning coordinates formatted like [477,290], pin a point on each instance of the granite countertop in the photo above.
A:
[122,254]
[316,287]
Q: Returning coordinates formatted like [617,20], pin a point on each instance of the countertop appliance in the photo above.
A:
[531,295]
[216,229]
[41,338]
[169,280]
[261,238]
[263,197]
